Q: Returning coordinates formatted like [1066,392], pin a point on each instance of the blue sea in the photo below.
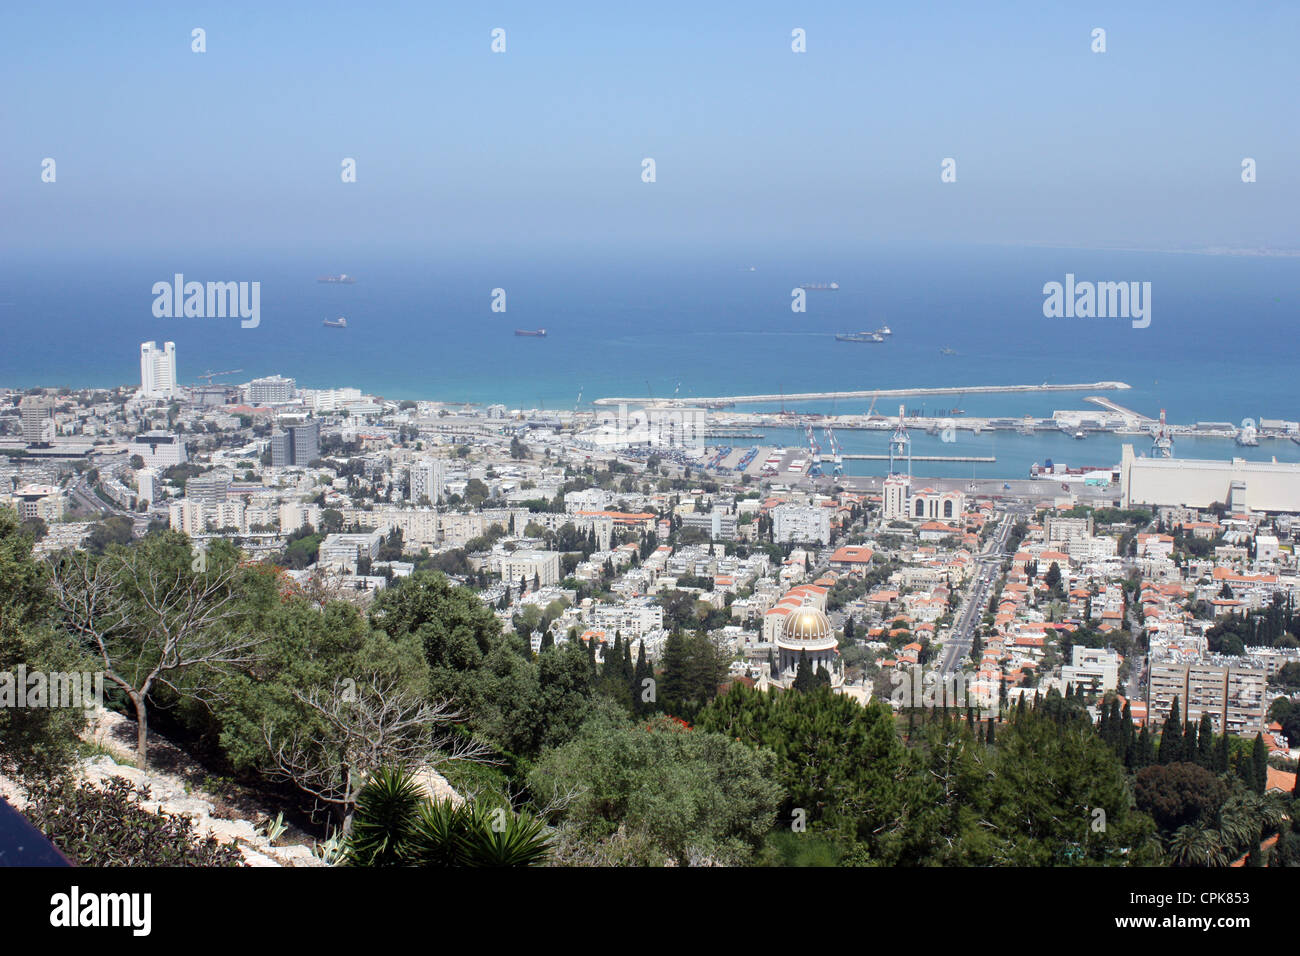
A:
[1221,346]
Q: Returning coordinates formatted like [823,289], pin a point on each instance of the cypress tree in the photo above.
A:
[1205,742]
[639,675]
[1190,749]
[988,736]
[1221,751]
[804,679]
[1259,760]
[548,640]
[676,665]
[1145,748]
[1171,738]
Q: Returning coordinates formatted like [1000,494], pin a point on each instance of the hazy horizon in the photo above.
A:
[241,146]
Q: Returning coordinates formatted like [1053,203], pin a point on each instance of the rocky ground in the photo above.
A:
[176,785]
[180,785]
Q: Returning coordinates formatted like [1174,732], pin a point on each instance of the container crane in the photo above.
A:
[837,456]
[209,375]
[1163,445]
[815,469]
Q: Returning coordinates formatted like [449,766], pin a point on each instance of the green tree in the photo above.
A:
[645,795]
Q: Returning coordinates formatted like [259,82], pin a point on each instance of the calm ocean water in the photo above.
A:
[1221,346]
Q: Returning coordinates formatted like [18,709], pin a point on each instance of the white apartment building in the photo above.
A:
[157,370]
[330,399]
[426,480]
[158,449]
[39,501]
[803,524]
[1095,666]
[540,566]
[199,517]
[272,390]
[339,552]
[294,514]
[897,494]
[1090,549]
[632,620]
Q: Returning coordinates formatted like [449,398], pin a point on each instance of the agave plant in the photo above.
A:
[274,829]
[333,851]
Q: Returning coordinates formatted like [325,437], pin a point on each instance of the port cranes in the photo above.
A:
[1163,444]
[209,375]
[837,455]
[815,469]
[900,445]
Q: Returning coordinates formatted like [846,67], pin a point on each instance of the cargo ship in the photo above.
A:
[532,333]
[859,337]
[821,286]
[339,323]
[341,279]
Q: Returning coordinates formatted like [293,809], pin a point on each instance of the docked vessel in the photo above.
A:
[339,323]
[532,333]
[859,337]
[341,279]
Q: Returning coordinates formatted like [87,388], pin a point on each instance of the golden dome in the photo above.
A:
[807,624]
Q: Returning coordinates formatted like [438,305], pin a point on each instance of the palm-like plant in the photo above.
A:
[495,837]
[384,820]
[395,826]
[1193,846]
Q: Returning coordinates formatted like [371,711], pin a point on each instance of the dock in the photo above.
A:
[979,458]
[1107,404]
[878,393]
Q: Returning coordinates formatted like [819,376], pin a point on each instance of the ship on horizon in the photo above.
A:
[339,323]
[821,286]
[859,337]
[532,333]
[341,279]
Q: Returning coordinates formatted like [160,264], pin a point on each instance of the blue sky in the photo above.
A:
[240,147]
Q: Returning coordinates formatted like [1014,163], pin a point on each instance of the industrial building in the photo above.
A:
[1197,483]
